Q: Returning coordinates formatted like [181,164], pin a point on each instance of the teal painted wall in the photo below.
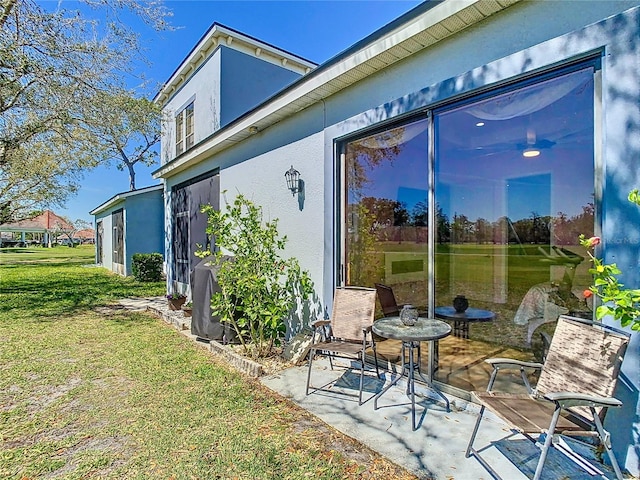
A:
[144,225]
[246,81]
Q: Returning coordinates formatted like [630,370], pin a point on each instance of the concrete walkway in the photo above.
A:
[435,450]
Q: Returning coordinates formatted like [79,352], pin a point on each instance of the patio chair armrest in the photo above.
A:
[512,363]
[320,323]
[574,399]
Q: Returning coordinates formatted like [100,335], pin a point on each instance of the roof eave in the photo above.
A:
[418,29]
[121,197]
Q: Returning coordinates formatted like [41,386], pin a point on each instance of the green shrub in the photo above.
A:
[259,289]
[147,267]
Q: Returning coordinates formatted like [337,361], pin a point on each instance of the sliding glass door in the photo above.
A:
[513,188]
[386,211]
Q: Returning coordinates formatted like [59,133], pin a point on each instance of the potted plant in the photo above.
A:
[176,300]
[187,308]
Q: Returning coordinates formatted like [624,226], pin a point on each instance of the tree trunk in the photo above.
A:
[132,177]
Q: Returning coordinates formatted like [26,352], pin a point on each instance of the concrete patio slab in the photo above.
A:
[436,450]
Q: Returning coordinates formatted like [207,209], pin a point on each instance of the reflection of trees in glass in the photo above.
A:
[443,227]
[420,215]
[462,229]
[368,216]
[567,229]
[368,153]
[362,264]
[483,231]
[536,229]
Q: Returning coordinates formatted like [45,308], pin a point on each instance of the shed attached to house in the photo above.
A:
[128,223]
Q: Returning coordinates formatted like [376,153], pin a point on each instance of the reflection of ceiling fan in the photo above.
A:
[533,146]
[530,147]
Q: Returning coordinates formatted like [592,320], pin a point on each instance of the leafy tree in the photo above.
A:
[123,129]
[259,289]
[37,175]
[55,67]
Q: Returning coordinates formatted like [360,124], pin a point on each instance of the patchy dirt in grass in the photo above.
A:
[110,445]
[51,394]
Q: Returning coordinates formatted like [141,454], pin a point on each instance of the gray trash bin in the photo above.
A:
[204,284]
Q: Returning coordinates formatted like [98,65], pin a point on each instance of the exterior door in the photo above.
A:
[118,241]
[99,242]
[190,224]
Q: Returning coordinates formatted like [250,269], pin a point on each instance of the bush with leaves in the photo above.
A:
[623,304]
[259,289]
[147,267]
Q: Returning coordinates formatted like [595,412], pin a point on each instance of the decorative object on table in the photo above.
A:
[460,303]
[176,300]
[409,315]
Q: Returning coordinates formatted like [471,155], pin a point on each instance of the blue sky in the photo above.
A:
[314,29]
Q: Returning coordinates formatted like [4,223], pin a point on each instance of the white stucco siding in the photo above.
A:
[203,88]
[300,217]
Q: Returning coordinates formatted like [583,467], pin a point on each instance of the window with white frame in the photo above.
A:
[184,129]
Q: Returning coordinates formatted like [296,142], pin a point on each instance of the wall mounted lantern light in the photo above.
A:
[293,180]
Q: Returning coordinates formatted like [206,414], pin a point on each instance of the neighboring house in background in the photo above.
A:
[460,149]
[47,224]
[86,235]
[128,223]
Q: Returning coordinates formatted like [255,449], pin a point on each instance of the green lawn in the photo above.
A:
[94,392]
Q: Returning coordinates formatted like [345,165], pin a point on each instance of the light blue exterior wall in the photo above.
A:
[144,225]
[246,81]
[498,50]
[143,217]
[523,39]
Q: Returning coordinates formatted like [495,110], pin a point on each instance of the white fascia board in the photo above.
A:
[120,197]
[220,35]
[308,86]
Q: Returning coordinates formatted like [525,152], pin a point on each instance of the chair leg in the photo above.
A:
[606,442]
[474,433]
[547,442]
[375,356]
[312,354]
[361,379]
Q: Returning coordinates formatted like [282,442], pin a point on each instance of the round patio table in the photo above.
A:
[425,330]
[461,320]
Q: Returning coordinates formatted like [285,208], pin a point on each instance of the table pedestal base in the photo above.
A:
[411,367]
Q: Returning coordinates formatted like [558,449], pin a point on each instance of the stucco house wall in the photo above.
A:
[143,222]
[225,77]
[523,39]
[246,81]
[144,228]
[203,86]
